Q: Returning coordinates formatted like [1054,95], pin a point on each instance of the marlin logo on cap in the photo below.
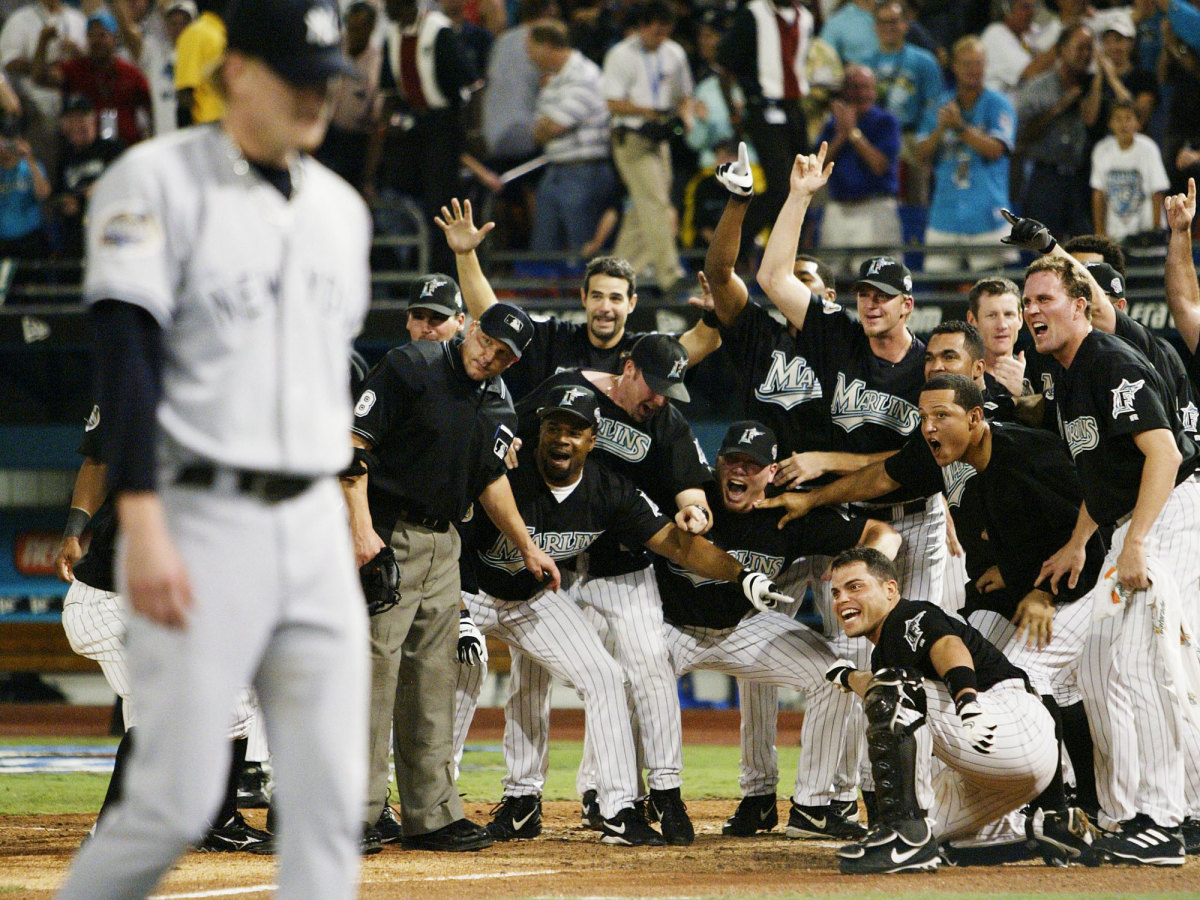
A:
[678,368]
[431,285]
[875,266]
[514,323]
[749,435]
[572,394]
[322,25]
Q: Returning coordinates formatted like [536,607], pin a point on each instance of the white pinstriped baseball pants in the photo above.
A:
[94,622]
[921,563]
[550,630]
[973,789]
[1145,762]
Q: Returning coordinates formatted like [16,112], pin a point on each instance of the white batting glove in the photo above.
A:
[839,675]
[472,648]
[761,591]
[736,176]
[978,726]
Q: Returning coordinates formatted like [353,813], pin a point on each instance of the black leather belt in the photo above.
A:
[889,512]
[270,487]
[423,521]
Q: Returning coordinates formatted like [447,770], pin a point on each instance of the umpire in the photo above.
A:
[432,426]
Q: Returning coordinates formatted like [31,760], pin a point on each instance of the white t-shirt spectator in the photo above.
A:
[1008,55]
[1129,179]
[658,79]
[19,40]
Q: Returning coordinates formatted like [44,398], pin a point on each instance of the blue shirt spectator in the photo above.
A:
[20,209]
[909,78]
[1185,21]
[852,179]
[851,31]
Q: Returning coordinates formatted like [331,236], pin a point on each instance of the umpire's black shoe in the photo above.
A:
[668,809]
[756,812]
[906,846]
[1143,842]
[253,790]
[516,818]
[589,816]
[388,826]
[236,835]
[629,829]
[456,837]
[1063,836]
[369,844]
[821,823]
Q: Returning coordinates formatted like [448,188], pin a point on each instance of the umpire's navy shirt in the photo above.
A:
[439,435]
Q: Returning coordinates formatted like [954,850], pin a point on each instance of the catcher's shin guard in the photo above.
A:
[895,707]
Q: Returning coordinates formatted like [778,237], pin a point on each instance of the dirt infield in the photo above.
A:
[568,861]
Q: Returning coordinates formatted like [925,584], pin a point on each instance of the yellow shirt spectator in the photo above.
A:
[200,45]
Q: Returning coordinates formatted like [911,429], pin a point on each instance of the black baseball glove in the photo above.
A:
[380,577]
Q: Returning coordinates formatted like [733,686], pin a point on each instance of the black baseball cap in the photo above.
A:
[1108,278]
[300,39]
[509,325]
[752,439]
[663,362]
[886,273]
[575,400]
[437,293]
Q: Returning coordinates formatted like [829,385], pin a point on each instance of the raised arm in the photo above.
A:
[729,292]
[777,274]
[463,237]
[1183,290]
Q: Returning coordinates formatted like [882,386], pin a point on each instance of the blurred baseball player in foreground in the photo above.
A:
[228,273]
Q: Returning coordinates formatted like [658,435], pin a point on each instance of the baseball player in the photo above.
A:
[992,734]
[94,619]
[437,421]
[644,437]
[708,626]
[569,503]
[1182,288]
[435,309]
[220,258]
[608,296]
[1135,462]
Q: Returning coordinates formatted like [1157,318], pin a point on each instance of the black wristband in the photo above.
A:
[464,614]
[710,318]
[958,679]
[77,520]
[1050,249]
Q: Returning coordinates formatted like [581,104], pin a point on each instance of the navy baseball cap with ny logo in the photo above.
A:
[300,39]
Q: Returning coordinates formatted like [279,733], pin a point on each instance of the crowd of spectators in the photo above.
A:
[597,124]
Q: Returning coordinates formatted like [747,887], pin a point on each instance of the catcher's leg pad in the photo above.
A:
[895,707]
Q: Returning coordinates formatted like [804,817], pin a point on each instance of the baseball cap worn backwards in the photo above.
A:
[437,293]
[887,274]
[663,362]
[300,39]
[752,439]
[509,325]
[573,400]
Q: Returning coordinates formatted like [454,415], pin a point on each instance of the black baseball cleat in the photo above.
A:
[589,816]
[821,823]
[628,829]
[1142,842]
[457,837]
[236,835]
[1063,836]
[847,809]
[668,809]
[516,818]
[756,812]
[906,846]
[369,844]
[1190,829]
[388,826]
[964,855]
[253,790]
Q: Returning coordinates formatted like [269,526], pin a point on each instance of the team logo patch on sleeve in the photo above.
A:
[1123,395]
[502,441]
[913,632]
[365,402]
[130,231]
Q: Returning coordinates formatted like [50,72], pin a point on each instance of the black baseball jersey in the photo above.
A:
[753,539]
[871,403]
[563,523]
[1040,370]
[1166,361]
[96,566]
[661,457]
[779,387]
[440,437]
[914,626]
[1109,394]
[998,402]
[559,345]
